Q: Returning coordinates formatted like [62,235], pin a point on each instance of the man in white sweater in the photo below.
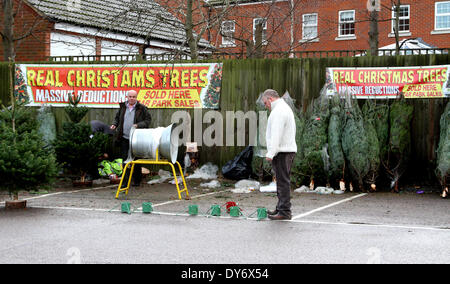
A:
[281,149]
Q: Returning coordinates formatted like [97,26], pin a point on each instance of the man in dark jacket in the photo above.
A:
[131,113]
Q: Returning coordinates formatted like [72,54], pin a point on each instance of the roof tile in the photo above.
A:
[144,18]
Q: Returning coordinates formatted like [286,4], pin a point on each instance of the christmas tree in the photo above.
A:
[443,151]
[373,154]
[260,166]
[313,160]
[399,146]
[335,127]
[355,143]
[76,147]
[25,162]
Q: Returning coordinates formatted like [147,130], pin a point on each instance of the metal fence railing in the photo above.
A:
[120,57]
[224,55]
[334,53]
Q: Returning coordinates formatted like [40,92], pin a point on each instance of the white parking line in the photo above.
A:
[63,192]
[327,206]
[73,208]
[408,227]
[192,197]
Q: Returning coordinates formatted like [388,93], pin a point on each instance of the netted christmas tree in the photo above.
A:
[296,174]
[335,128]
[355,144]
[373,154]
[300,125]
[260,166]
[76,147]
[380,116]
[443,151]
[399,146]
[313,162]
[25,163]
[47,126]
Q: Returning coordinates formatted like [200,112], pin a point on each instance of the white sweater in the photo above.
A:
[280,133]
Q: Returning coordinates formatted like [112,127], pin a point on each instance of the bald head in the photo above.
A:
[132,97]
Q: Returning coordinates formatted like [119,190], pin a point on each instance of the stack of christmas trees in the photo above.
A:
[342,143]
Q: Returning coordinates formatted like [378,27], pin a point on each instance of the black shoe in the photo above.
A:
[279,217]
[136,184]
[274,212]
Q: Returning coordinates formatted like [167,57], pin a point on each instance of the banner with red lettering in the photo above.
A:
[389,82]
[196,85]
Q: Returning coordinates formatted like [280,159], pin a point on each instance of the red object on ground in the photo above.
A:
[230,204]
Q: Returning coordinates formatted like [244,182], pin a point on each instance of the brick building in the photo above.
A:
[113,27]
[95,27]
[301,25]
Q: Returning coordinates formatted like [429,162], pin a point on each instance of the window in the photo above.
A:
[228,29]
[309,26]
[70,45]
[114,48]
[347,23]
[442,18]
[403,18]
[264,29]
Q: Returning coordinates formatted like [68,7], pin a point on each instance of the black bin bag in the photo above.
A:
[240,167]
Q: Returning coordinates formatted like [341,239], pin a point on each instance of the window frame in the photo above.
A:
[341,23]
[226,40]
[316,26]
[400,18]
[436,16]
[264,39]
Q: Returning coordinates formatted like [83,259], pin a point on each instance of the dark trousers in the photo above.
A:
[281,164]
[137,173]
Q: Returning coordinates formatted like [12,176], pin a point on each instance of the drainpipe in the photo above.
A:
[291,55]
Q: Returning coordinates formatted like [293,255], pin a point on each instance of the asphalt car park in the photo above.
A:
[89,225]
